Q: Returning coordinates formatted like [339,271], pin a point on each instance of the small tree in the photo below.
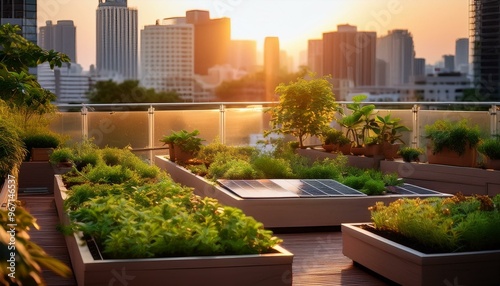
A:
[305,108]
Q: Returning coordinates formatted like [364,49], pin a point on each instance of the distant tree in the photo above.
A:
[128,91]
[18,88]
[305,108]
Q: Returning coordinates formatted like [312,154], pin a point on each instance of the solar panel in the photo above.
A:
[409,189]
[285,188]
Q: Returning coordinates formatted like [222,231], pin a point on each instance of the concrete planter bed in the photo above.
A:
[284,212]
[407,266]
[446,179]
[265,269]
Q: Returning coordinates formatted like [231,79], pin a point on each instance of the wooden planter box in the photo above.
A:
[446,179]
[41,154]
[356,161]
[282,212]
[448,157]
[264,269]
[409,267]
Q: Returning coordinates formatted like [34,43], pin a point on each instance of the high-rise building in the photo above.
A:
[60,37]
[485,43]
[167,57]
[462,55]
[212,40]
[315,56]
[396,49]
[449,63]
[350,55]
[243,55]
[21,13]
[117,44]
[271,65]
[419,67]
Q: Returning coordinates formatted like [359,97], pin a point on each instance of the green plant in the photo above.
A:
[389,129]
[12,151]
[29,257]
[40,140]
[437,225]
[456,136]
[62,155]
[331,135]
[187,141]
[272,168]
[410,154]
[358,120]
[305,107]
[490,148]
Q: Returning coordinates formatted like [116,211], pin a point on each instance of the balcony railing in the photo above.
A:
[141,126]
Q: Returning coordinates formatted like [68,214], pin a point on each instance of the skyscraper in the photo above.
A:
[21,13]
[485,42]
[396,49]
[315,56]
[350,55]
[60,37]
[117,44]
[167,57]
[243,55]
[449,63]
[271,65]
[212,40]
[462,55]
[419,67]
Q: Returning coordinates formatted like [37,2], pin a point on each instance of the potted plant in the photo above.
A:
[358,122]
[305,108]
[62,158]
[331,138]
[410,154]
[428,241]
[490,148]
[184,144]
[389,131]
[452,143]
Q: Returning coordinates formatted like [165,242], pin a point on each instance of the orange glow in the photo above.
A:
[435,25]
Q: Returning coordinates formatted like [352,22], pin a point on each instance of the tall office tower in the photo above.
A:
[243,55]
[271,66]
[396,49]
[212,40]
[462,55]
[21,13]
[350,55]
[167,57]
[116,39]
[60,37]
[315,56]
[449,63]
[484,16]
[419,67]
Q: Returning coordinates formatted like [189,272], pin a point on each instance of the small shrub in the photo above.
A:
[111,156]
[272,168]
[105,174]
[61,155]
[456,136]
[373,187]
[490,148]
[410,154]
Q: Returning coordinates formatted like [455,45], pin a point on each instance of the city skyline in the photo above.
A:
[434,31]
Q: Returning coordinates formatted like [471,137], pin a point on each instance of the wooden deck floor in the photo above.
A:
[318,256]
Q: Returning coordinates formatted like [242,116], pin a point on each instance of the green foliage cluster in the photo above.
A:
[305,108]
[283,163]
[490,148]
[456,136]
[357,120]
[333,136]
[133,210]
[129,91]
[443,225]
[12,151]
[30,258]
[410,154]
[187,141]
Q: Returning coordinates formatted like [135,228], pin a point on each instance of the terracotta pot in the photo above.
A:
[171,152]
[373,150]
[345,149]
[449,157]
[492,164]
[358,151]
[390,151]
[41,154]
[182,156]
[330,147]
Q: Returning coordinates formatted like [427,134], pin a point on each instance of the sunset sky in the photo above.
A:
[435,24]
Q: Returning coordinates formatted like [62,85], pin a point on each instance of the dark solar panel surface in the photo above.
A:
[409,189]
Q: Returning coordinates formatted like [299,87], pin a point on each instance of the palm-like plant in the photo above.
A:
[359,122]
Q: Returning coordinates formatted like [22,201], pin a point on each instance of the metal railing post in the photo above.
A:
[85,123]
[151,132]
[416,126]
[493,120]
[222,123]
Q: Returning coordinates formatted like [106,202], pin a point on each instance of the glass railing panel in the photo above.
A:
[245,126]
[427,117]
[119,129]
[68,124]
[205,121]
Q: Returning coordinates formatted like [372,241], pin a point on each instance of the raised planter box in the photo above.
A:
[362,162]
[446,179]
[36,177]
[282,212]
[406,266]
[264,269]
